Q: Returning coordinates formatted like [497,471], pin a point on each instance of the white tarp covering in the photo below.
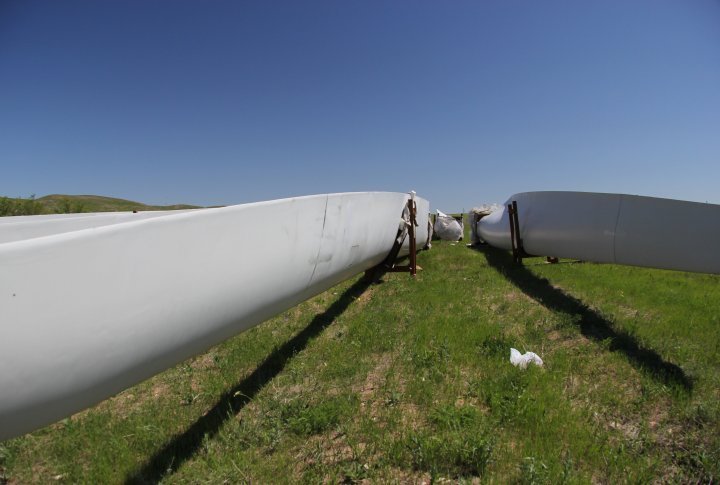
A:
[447,228]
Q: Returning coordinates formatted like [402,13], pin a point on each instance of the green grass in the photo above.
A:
[409,380]
[62,204]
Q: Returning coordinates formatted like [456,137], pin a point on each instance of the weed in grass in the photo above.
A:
[495,346]
[305,419]
[451,454]
[454,418]
[505,393]
[533,471]
[568,466]
[431,360]
[354,471]
[392,398]
[701,414]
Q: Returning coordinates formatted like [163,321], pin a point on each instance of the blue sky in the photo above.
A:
[221,102]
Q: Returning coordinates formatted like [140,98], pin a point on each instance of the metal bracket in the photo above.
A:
[518,250]
[408,230]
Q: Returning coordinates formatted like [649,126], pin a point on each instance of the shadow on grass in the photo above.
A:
[182,447]
[591,323]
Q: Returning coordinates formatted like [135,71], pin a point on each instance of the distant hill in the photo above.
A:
[97,203]
[62,204]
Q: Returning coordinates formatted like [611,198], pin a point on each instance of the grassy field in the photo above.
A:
[62,204]
[409,381]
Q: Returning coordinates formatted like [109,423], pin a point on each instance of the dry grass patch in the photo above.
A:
[369,401]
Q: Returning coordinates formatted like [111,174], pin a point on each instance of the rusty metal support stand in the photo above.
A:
[413,239]
[518,250]
[389,264]
[412,267]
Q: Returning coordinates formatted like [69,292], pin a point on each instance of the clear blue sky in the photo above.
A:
[220,102]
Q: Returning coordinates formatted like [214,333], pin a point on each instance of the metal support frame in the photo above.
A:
[412,267]
[430,234]
[473,219]
[409,230]
[518,250]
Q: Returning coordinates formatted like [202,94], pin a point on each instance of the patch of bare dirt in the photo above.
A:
[410,416]
[160,389]
[369,401]
[658,415]
[627,428]
[204,361]
[397,475]
[365,297]
[326,449]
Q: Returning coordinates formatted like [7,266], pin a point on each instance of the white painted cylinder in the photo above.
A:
[612,228]
[87,313]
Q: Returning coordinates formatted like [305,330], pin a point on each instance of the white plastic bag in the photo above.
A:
[523,360]
[447,228]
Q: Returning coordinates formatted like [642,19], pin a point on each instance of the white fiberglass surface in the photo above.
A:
[85,314]
[29,227]
[612,228]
